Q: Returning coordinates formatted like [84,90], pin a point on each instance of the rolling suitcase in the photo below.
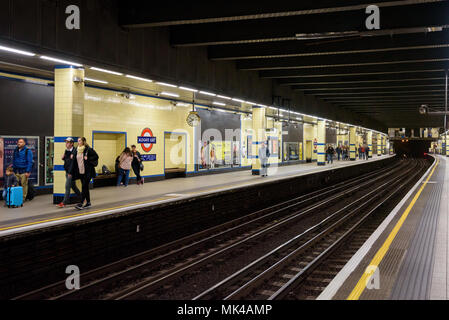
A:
[14,197]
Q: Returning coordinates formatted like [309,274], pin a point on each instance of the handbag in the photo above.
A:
[142,166]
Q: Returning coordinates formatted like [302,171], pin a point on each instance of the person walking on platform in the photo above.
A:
[367,153]
[84,169]
[264,155]
[22,164]
[330,154]
[125,162]
[338,150]
[360,152]
[137,164]
[69,160]
[363,153]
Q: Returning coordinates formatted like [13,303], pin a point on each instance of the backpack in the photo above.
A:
[93,163]
[31,192]
[105,170]
[268,153]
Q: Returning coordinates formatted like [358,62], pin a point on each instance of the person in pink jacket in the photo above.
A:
[125,161]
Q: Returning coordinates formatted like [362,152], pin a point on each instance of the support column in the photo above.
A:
[369,142]
[447,145]
[352,142]
[69,119]
[379,144]
[321,153]
[383,144]
[259,126]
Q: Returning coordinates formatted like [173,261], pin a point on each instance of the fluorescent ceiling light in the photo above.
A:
[219,103]
[138,78]
[188,89]
[94,80]
[208,93]
[107,71]
[170,94]
[273,108]
[61,61]
[224,97]
[253,103]
[238,100]
[25,53]
[167,84]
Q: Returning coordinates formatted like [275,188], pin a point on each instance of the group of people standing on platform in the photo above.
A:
[343,151]
[80,163]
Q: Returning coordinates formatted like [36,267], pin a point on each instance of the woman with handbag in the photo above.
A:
[86,159]
[137,164]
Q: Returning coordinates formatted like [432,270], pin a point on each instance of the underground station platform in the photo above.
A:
[234,160]
[406,257]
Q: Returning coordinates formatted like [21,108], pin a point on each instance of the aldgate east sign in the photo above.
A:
[147,140]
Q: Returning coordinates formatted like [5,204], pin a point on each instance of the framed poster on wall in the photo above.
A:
[7,147]
[49,159]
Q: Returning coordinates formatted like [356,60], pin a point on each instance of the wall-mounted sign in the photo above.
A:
[8,145]
[147,140]
[148,157]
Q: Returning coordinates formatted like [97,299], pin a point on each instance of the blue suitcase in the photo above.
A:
[14,197]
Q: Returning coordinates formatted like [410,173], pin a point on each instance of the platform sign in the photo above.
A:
[7,147]
[148,157]
[146,140]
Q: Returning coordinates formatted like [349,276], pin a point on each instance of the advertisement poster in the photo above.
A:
[8,145]
[228,152]
[1,160]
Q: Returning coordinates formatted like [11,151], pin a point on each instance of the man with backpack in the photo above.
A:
[22,164]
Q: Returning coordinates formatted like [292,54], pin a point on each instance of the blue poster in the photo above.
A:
[7,147]
[148,157]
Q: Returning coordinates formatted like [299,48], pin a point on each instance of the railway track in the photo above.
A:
[278,274]
[136,276]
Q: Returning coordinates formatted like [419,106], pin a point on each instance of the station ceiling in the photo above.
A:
[322,48]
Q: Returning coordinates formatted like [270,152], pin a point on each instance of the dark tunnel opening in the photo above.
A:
[412,148]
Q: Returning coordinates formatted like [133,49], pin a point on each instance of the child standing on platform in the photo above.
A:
[10,181]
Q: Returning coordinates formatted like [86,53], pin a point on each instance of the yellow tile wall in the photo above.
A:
[105,110]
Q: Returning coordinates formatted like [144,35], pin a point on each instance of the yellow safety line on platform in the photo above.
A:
[84,214]
[360,287]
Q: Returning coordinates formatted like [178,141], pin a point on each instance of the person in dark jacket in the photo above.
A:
[22,165]
[10,181]
[137,160]
[330,154]
[70,183]
[84,165]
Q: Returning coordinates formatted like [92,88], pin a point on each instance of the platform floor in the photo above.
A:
[41,213]
[407,257]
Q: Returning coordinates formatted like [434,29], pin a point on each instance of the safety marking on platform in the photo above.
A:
[87,213]
[375,262]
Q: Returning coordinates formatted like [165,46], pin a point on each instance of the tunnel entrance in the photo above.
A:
[412,148]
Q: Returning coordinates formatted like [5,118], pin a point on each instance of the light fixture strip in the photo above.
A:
[188,89]
[106,71]
[95,80]
[12,50]
[166,84]
[224,97]
[218,103]
[208,93]
[170,94]
[138,78]
[61,61]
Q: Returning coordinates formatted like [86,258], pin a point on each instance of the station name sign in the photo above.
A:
[146,140]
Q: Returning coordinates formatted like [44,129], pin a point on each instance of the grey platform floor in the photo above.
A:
[415,267]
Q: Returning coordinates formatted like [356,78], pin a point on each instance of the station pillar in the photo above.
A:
[259,126]
[447,145]
[369,142]
[321,137]
[379,144]
[69,120]
[352,142]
